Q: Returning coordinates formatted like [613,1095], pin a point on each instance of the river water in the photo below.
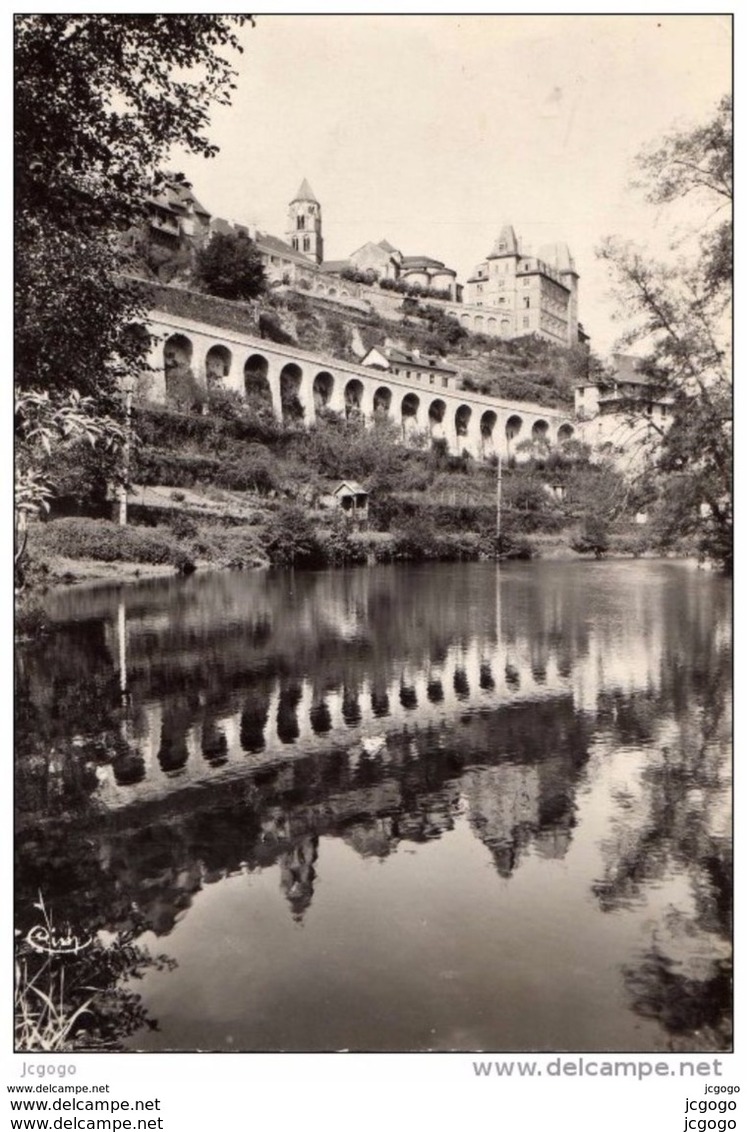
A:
[468,806]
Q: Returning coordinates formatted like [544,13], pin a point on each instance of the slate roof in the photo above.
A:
[409,261]
[334,266]
[507,236]
[352,486]
[175,197]
[421,362]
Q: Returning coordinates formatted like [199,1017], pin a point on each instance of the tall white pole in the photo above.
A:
[125,460]
[498,500]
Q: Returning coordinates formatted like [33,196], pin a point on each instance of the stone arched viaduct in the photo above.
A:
[299,384]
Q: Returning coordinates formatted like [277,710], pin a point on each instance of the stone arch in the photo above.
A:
[332,292]
[488,421]
[436,416]
[513,427]
[540,430]
[565,432]
[256,382]
[217,364]
[177,368]
[324,384]
[353,398]
[461,420]
[479,320]
[290,387]
[345,294]
[466,321]
[505,327]
[492,326]
[410,410]
[382,402]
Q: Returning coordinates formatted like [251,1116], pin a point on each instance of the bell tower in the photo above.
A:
[305,224]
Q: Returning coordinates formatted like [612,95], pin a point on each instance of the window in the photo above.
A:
[581,393]
[527,301]
[295,244]
[444,382]
[526,322]
[306,243]
[501,299]
[431,378]
[300,222]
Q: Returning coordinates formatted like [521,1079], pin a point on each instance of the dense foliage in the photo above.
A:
[99,102]
[680,312]
[230,266]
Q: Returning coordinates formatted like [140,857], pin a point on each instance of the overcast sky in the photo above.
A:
[433,131]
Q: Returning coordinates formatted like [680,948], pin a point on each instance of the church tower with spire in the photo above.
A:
[305,224]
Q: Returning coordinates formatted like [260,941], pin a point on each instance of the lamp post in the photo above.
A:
[498,504]
[128,388]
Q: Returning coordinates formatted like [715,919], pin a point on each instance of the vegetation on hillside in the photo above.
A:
[100,101]
[680,312]
[230,267]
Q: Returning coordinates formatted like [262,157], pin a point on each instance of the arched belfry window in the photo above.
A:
[300,222]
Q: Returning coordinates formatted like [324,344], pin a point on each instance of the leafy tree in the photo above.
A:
[593,538]
[230,266]
[46,429]
[291,537]
[100,101]
[680,310]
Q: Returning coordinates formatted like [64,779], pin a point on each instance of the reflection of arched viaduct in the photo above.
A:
[284,718]
[297,385]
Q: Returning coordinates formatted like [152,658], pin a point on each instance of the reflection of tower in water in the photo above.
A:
[297,874]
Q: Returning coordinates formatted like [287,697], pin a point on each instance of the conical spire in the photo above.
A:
[506,244]
[305,193]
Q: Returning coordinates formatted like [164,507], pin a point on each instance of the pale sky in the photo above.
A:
[433,131]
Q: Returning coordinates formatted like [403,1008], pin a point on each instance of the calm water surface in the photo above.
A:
[397,808]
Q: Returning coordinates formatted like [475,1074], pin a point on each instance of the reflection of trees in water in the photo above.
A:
[687,1008]
[231,643]
[674,818]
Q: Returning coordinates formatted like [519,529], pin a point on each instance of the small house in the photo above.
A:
[350,498]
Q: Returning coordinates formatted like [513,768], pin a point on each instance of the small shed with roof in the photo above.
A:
[349,497]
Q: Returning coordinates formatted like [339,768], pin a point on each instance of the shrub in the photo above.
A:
[231,547]
[107,542]
[269,327]
[153,466]
[340,544]
[593,538]
[253,470]
[290,538]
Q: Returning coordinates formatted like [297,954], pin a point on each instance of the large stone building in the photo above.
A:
[527,294]
[509,295]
